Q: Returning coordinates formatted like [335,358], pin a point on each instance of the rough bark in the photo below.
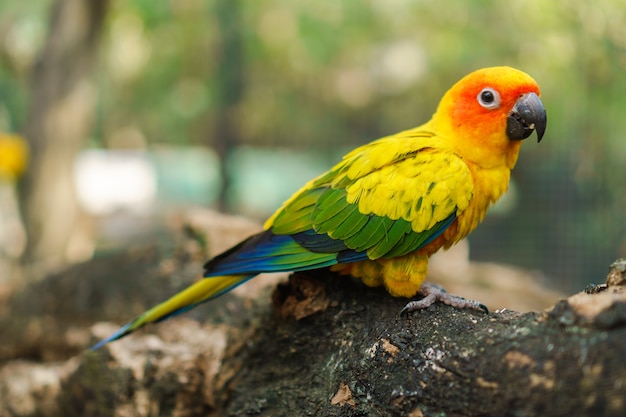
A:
[328,345]
[59,120]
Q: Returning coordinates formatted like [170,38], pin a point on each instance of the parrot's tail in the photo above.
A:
[197,293]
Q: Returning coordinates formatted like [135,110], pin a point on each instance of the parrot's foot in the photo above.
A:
[433,293]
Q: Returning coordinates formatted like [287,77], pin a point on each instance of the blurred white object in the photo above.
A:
[110,180]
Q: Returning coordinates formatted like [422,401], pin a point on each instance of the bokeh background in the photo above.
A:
[135,110]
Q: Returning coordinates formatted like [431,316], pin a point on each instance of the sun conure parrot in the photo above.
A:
[381,212]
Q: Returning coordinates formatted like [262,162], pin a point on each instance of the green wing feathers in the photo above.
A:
[386,205]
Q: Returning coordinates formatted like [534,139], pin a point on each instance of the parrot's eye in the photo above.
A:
[489,98]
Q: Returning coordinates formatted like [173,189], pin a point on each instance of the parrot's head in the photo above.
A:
[488,112]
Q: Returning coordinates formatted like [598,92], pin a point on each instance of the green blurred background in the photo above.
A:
[236,103]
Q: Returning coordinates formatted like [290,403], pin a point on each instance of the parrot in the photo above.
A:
[387,206]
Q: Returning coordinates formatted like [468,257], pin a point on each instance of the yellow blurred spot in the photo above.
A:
[13,156]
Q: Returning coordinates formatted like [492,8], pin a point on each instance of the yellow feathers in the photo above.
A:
[424,188]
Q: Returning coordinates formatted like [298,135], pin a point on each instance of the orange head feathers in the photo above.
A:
[488,112]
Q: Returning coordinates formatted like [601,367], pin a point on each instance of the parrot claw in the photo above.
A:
[433,293]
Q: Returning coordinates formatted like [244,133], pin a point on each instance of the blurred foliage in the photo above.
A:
[330,75]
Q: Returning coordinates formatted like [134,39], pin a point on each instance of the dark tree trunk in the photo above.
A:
[229,88]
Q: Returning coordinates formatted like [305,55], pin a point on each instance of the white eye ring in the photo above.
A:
[488,98]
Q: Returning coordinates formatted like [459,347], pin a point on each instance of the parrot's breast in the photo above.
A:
[489,186]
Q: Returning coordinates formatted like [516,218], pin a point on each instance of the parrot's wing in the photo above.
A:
[388,211]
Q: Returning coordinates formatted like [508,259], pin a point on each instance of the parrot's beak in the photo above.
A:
[527,115]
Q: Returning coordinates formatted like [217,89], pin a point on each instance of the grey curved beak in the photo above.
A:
[527,116]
